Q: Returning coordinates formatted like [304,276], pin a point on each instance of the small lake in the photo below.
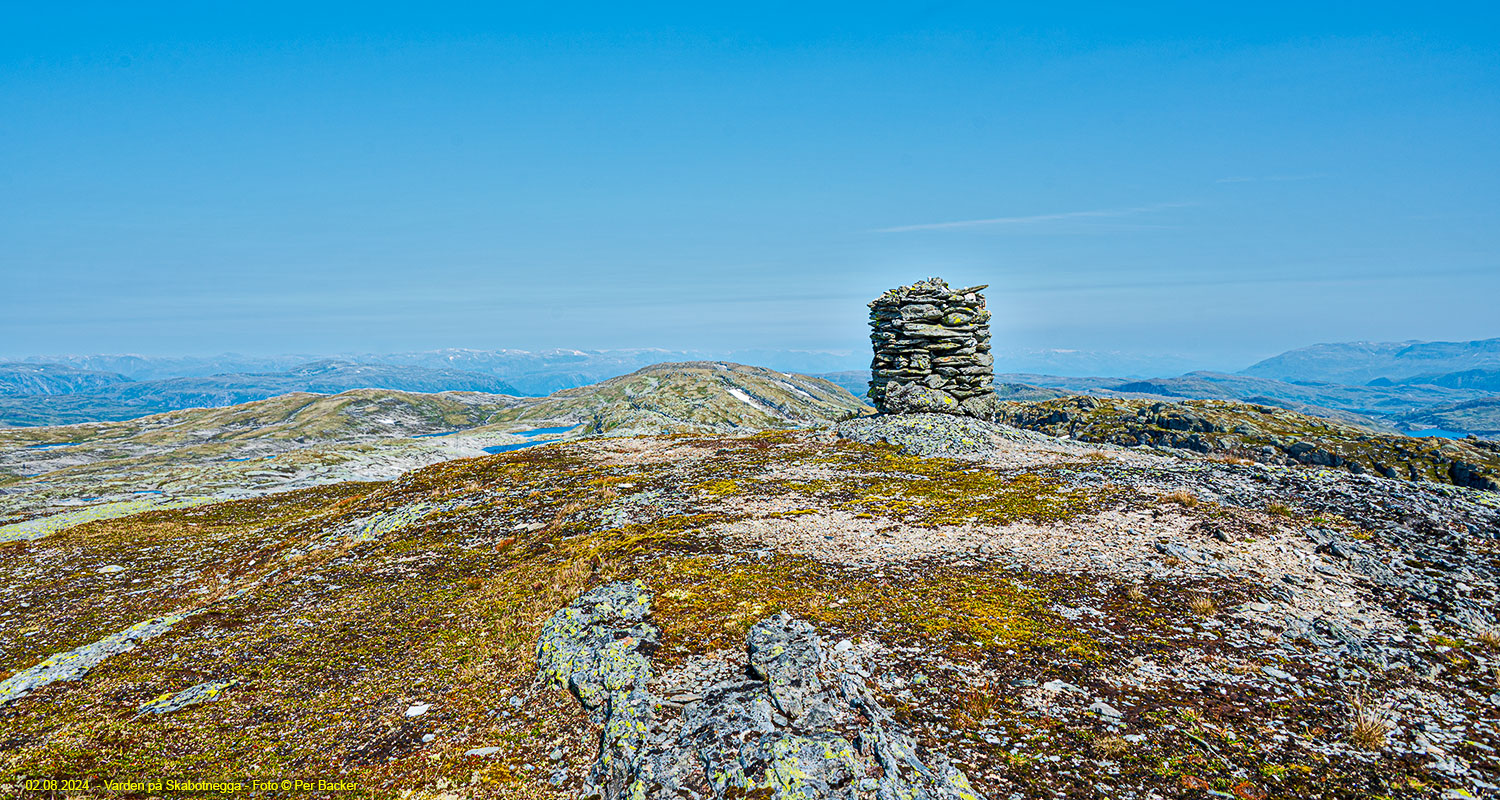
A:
[505,448]
[546,431]
[253,458]
[1438,432]
[52,446]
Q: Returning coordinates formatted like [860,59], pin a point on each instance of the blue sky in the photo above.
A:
[1217,184]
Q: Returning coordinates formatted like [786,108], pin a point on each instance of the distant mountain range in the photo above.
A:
[1390,386]
[42,394]
[1396,362]
[45,379]
[528,372]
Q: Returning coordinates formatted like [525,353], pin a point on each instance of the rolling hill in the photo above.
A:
[300,439]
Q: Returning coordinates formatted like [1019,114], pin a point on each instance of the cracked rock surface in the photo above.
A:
[800,724]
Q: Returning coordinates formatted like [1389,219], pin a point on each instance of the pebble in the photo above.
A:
[1104,709]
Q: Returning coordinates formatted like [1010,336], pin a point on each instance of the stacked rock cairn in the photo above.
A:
[932,351]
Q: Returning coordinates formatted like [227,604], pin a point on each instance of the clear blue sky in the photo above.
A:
[1219,183]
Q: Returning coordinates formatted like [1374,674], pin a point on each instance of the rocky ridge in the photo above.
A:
[1260,433]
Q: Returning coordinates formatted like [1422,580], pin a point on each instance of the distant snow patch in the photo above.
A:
[794,389]
[753,403]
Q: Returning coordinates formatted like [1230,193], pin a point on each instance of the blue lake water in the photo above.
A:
[1438,432]
[503,448]
[533,432]
[254,458]
[52,446]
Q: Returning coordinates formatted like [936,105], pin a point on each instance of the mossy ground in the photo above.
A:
[335,639]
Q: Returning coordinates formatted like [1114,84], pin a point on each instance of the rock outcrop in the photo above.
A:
[781,732]
[932,351]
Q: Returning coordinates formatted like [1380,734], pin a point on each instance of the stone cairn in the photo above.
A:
[932,351]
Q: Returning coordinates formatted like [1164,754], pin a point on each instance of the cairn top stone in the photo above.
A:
[934,288]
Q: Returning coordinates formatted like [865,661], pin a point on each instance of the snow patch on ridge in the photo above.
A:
[753,403]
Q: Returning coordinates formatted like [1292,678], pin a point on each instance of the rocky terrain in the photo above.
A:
[894,606]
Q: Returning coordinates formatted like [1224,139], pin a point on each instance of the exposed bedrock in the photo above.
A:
[932,351]
[801,723]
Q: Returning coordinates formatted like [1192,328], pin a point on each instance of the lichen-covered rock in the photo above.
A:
[984,406]
[927,435]
[914,398]
[780,736]
[75,663]
[787,654]
[804,767]
[205,692]
[596,648]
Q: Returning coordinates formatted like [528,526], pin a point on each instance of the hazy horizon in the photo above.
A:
[1213,186]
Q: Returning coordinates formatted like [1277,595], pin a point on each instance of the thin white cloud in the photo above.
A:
[1273,178]
[1034,219]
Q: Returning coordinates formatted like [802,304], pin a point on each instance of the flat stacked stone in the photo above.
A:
[932,351]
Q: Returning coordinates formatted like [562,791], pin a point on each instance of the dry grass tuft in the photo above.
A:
[1135,594]
[1182,498]
[1278,509]
[1202,604]
[1489,637]
[1369,723]
[1111,746]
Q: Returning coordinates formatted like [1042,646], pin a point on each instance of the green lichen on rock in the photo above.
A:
[75,663]
[205,692]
